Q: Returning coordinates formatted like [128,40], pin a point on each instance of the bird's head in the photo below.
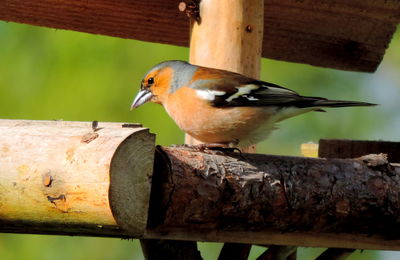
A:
[162,80]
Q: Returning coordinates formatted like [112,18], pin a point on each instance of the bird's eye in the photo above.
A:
[150,80]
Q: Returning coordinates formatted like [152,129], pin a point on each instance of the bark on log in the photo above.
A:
[350,35]
[60,177]
[265,199]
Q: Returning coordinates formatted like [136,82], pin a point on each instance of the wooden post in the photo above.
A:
[228,37]
[71,178]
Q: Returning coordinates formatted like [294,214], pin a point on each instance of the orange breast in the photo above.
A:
[198,118]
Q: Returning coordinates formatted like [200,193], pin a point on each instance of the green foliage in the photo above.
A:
[52,74]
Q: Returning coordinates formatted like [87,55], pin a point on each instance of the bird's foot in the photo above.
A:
[222,147]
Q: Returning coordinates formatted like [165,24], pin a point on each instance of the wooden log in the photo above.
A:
[239,26]
[337,148]
[275,200]
[338,34]
[60,177]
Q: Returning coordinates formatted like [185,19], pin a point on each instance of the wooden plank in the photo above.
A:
[60,177]
[337,148]
[274,200]
[342,34]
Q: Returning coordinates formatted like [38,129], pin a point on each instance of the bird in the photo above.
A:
[224,108]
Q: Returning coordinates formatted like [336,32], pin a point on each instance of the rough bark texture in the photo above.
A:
[336,148]
[265,199]
[75,178]
[350,35]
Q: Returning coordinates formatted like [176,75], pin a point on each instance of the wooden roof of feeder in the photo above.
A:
[341,34]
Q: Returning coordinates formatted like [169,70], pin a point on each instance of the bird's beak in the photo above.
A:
[142,97]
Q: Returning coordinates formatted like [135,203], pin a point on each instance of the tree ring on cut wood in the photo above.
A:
[130,179]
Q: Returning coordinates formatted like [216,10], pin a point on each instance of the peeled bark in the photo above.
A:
[74,178]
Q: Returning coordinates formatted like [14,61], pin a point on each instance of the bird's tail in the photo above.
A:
[322,102]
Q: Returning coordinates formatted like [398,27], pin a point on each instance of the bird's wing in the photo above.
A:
[242,91]
[228,89]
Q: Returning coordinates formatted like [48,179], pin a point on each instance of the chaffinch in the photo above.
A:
[222,107]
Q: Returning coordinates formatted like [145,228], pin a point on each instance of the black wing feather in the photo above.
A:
[265,94]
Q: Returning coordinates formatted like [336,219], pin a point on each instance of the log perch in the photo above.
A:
[72,178]
[266,199]
[77,178]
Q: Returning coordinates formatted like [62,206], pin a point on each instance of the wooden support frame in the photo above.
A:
[196,195]
[356,53]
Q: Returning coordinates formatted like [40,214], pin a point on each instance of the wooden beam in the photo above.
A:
[70,178]
[274,200]
[339,148]
[337,34]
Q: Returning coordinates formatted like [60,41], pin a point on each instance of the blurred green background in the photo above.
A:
[54,74]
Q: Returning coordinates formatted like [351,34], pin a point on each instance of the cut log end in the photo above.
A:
[56,174]
[129,187]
